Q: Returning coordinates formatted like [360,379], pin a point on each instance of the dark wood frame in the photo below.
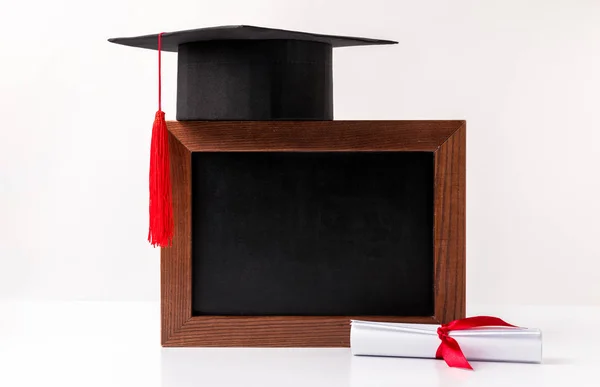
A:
[446,139]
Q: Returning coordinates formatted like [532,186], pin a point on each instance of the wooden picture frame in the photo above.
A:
[446,139]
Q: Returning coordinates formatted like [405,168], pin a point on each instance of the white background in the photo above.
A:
[76,115]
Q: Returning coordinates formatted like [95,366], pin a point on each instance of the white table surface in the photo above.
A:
[89,344]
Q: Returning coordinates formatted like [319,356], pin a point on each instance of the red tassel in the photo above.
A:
[161,211]
[160,232]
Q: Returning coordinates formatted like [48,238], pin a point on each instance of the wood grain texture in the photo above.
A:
[313,136]
[176,261]
[278,331]
[445,138]
[450,227]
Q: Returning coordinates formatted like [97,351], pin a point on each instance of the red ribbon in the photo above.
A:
[450,351]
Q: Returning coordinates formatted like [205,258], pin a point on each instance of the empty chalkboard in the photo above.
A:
[293,233]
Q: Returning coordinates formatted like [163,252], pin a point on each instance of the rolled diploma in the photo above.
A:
[421,340]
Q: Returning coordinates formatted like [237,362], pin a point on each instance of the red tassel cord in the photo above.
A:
[160,232]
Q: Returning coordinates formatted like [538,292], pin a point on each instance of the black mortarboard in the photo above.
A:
[237,73]
[251,73]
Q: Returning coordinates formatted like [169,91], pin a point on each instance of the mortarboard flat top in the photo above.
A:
[250,73]
[172,40]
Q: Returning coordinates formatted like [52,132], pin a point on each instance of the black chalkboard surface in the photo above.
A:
[293,233]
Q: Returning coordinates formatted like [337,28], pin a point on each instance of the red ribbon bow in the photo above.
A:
[450,351]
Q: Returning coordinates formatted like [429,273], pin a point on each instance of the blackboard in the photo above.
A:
[312,233]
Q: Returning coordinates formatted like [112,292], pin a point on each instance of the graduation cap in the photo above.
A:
[238,73]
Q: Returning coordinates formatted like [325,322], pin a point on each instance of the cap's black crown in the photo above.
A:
[251,73]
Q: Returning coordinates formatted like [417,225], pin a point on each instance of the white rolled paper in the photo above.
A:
[421,340]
